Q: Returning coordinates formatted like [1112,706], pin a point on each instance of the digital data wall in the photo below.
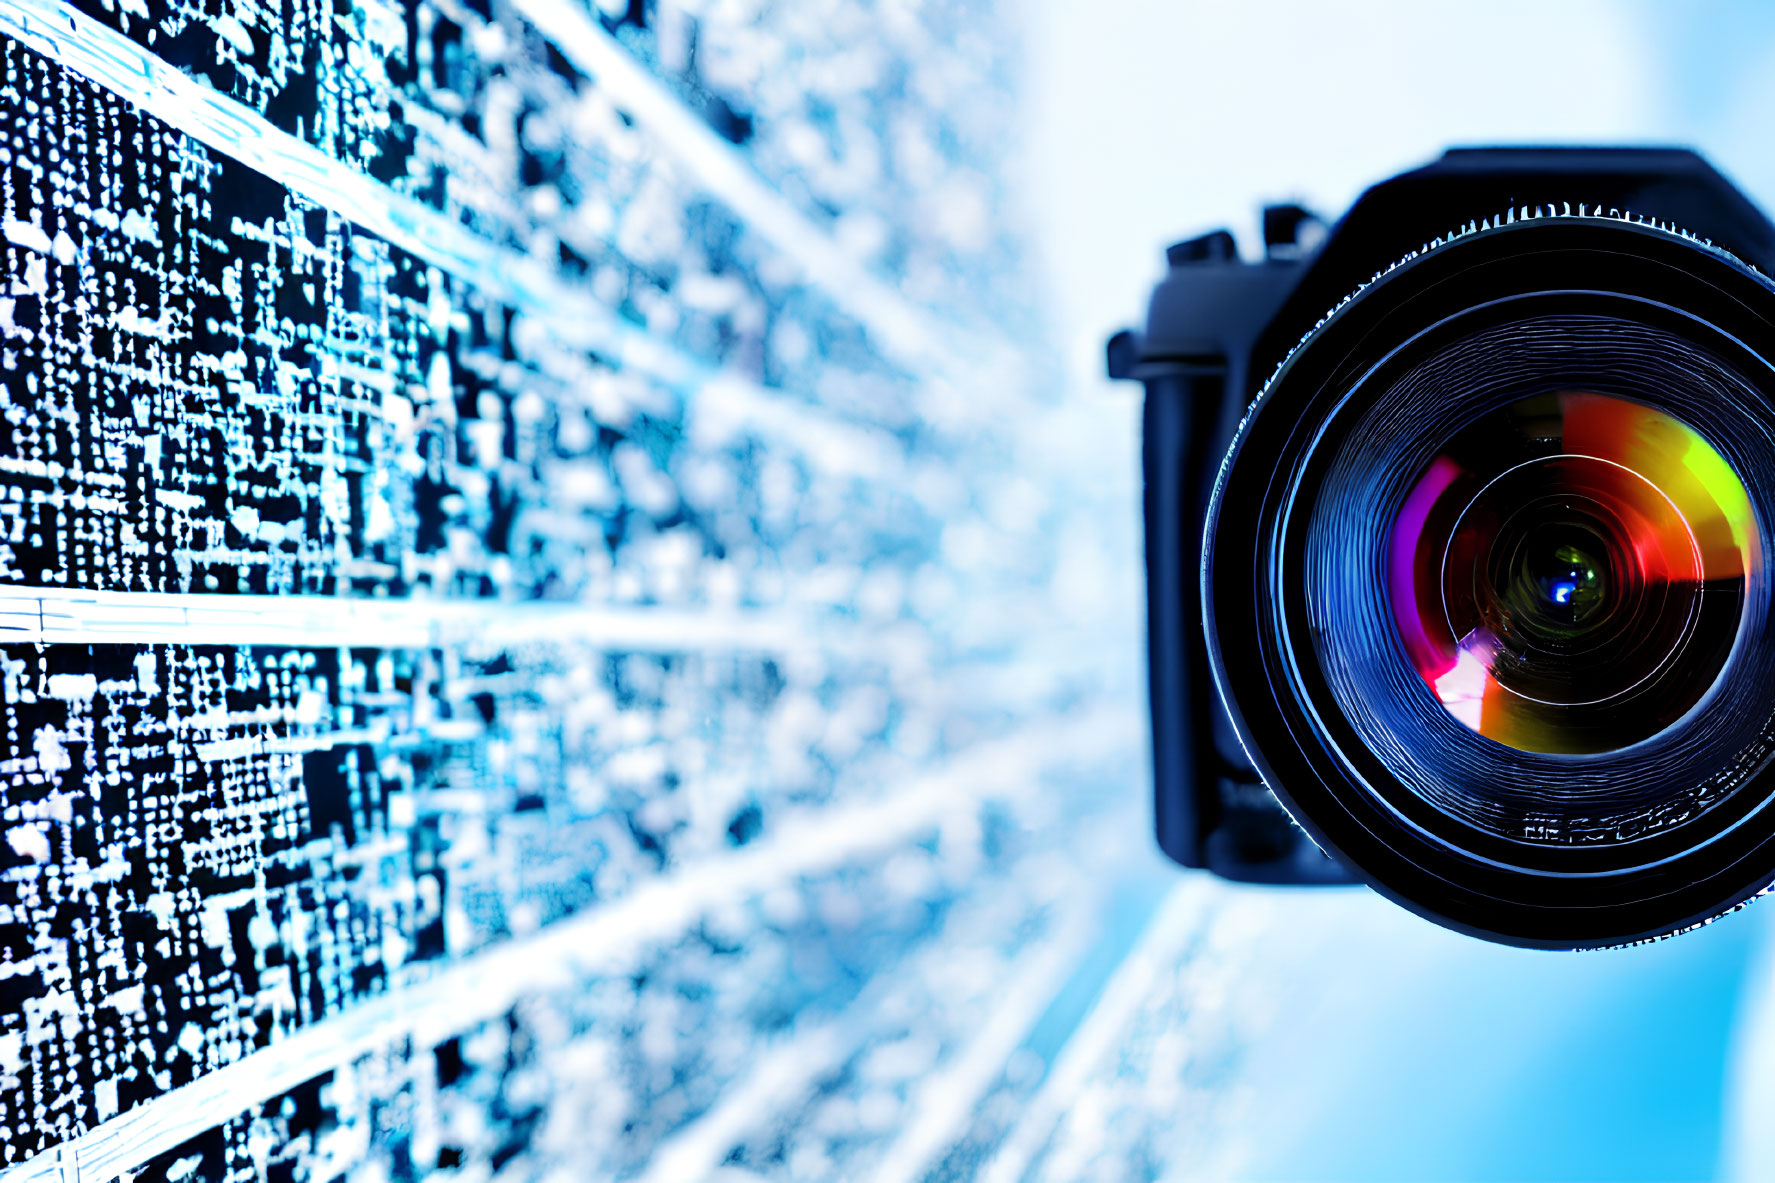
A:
[541,636]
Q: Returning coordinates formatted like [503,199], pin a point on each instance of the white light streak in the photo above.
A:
[486,985]
[783,1075]
[1177,921]
[950,1098]
[113,61]
[63,616]
[902,329]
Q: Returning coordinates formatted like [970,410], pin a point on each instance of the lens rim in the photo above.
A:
[1585,897]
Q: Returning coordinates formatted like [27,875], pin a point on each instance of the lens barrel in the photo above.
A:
[1485,582]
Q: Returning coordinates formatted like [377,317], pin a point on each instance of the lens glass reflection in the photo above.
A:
[1567,574]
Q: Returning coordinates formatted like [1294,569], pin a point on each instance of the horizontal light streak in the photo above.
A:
[60,616]
[113,61]
[485,985]
[905,331]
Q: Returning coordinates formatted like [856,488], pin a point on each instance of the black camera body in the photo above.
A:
[1258,377]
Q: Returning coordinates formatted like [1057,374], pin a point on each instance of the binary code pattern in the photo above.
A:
[525,644]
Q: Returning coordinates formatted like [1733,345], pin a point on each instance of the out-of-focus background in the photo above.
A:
[702,733]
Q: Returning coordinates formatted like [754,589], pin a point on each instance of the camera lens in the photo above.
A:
[1484,582]
[1567,574]
[1565,646]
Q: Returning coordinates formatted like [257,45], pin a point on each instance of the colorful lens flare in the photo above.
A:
[1568,574]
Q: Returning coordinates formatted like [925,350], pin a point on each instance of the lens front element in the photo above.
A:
[1485,585]
[1567,574]
[1529,577]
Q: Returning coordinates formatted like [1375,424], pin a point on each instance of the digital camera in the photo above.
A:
[1458,533]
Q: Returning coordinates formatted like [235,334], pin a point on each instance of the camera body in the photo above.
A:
[1219,329]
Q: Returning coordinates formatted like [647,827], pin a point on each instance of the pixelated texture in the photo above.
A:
[590,769]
